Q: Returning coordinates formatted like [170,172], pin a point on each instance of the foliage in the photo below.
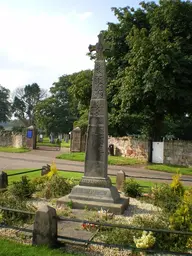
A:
[5,106]
[132,188]
[25,101]
[22,189]
[177,186]
[54,114]
[165,198]
[55,186]
[8,200]
[148,70]
[147,240]
[53,170]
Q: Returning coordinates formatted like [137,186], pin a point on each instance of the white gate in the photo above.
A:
[158,152]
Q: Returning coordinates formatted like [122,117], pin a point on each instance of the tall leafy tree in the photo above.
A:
[158,80]
[54,114]
[5,106]
[80,95]
[25,100]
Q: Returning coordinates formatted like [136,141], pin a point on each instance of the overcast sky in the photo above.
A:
[44,39]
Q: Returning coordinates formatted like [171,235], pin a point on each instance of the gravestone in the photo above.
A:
[76,140]
[41,137]
[95,190]
[45,170]
[120,179]
[51,137]
[3,180]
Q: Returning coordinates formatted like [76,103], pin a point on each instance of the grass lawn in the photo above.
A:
[65,174]
[46,143]
[14,150]
[10,248]
[112,160]
[170,168]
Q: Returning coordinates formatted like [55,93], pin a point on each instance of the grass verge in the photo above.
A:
[170,168]
[10,248]
[68,175]
[14,150]
[46,143]
[112,160]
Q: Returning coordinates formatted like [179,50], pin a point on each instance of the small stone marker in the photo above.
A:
[45,227]
[45,170]
[3,180]
[120,180]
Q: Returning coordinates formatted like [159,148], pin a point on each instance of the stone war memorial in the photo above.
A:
[95,189]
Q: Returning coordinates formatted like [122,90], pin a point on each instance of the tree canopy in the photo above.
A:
[25,101]
[149,78]
[5,105]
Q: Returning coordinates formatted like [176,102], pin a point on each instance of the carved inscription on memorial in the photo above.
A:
[99,68]
[97,107]
[96,120]
[98,91]
[95,182]
[91,192]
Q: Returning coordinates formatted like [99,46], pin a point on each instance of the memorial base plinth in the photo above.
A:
[95,198]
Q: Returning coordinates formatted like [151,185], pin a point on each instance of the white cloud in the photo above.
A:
[54,44]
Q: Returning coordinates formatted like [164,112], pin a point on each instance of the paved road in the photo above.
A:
[37,158]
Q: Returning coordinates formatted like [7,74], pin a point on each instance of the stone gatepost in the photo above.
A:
[3,180]
[76,140]
[45,227]
[31,137]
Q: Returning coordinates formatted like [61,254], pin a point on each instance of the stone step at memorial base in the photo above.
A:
[117,208]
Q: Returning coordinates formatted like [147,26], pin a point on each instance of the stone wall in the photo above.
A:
[8,139]
[130,147]
[178,152]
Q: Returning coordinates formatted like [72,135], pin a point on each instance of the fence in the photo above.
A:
[49,238]
[112,175]
[53,224]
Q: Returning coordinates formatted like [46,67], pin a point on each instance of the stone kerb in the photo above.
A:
[45,227]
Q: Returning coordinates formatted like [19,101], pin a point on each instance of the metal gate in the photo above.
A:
[158,152]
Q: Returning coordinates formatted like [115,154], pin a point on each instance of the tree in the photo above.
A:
[149,69]
[158,81]
[25,101]
[54,114]
[5,106]
[80,95]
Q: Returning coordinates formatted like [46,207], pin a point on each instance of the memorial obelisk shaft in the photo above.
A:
[96,160]
[95,184]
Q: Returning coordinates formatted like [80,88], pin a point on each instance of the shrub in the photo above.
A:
[177,186]
[132,188]
[56,186]
[163,197]
[10,201]
[40,182]
[22,189]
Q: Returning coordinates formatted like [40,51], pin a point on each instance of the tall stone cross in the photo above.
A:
[100,47]
[95,184]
